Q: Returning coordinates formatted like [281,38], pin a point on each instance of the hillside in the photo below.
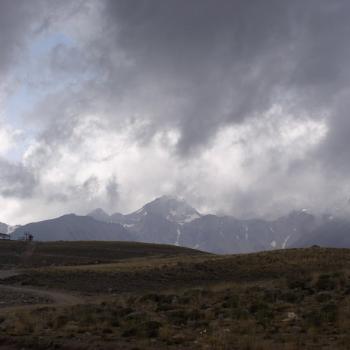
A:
[36,254]
[286,299]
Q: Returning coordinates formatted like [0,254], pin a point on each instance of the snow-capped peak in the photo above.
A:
[171,208]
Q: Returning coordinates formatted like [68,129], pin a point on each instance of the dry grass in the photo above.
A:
[265,315]
[284,300]
[39,254]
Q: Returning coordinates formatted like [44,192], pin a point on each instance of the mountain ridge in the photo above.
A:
[72,227]
[169,220]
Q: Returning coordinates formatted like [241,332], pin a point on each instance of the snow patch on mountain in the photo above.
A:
[284,244]
[171,220]
[191,217]
[178,231]
[171,208]
[128,225]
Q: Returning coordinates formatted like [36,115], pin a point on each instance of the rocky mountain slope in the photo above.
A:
[173,221]
[169,220]
[334,232]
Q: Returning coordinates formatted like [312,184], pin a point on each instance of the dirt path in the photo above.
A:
[9,273]
[48,296]
[54,297]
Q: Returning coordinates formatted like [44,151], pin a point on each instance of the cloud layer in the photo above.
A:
[239,106]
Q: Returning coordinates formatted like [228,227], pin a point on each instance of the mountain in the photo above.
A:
[334,232]
[74,228]
[169,220]
[166,207]
[157,221]
[170,208]
[3,228]
[230,235]
[100,215]
[172,221]
[7,229]
[292,227]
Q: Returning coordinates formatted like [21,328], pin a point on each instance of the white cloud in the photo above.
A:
[8,138]
[74,176]
[126,105]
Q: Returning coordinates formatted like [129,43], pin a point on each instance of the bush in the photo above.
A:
[181,317]
[325,282]
[329,312]
[150,328]
[231,301]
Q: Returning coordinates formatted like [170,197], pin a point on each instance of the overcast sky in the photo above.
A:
[239,106]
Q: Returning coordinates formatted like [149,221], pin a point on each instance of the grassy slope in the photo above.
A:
[142,274]
[24,254]
[293,299]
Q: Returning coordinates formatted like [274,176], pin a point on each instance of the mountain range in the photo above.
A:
[170,220]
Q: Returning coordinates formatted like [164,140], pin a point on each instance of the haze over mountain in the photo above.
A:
[335,233]
[169,220]
[173,221]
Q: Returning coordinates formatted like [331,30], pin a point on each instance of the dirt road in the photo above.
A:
[9,273]
[28,297]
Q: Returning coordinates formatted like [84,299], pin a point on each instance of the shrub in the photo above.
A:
[150,328]
[231,301]
[325,282]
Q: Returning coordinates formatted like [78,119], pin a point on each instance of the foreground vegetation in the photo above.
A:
[293,299]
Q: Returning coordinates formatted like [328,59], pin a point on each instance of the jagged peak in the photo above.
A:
[172,208]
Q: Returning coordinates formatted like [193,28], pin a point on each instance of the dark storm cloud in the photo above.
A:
[229,60]
[15,20]
[194,67]
[17,23]
[223,59]
[16,180]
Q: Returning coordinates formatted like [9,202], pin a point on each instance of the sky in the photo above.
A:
[241,107]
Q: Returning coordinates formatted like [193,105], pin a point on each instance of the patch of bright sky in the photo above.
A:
[45,43]
[27,94]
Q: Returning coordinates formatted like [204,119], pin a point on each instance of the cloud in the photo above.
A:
[8,138]
[15,22]
[15,180]
[132,99]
